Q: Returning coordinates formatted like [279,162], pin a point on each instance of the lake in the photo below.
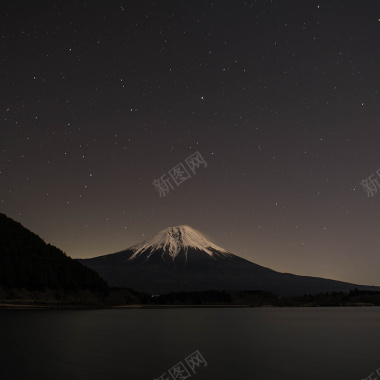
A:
[246,343]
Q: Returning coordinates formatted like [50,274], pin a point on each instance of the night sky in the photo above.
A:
[280,98]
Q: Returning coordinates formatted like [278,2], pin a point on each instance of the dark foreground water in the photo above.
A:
[317,343]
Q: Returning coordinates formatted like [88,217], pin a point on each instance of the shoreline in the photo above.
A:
[112,307]
[10,306]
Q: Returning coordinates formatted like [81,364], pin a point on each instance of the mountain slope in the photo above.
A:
[173,240]
[181,259]
[26,261]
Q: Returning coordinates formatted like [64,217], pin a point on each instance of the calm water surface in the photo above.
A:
[273,344]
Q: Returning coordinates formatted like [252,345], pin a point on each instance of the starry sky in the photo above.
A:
[280,98]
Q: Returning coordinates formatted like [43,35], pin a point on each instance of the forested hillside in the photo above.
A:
[26,261]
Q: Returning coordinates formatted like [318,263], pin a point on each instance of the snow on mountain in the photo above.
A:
[181,259]
[173,240]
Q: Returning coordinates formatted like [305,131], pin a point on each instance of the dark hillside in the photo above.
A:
[26,261]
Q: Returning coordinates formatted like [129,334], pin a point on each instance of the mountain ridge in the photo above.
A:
[175,239]
[27,262]
[169,262]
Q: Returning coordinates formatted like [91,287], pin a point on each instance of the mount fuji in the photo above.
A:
[182,259]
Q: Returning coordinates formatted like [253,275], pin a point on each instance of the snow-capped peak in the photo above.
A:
[173,240]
